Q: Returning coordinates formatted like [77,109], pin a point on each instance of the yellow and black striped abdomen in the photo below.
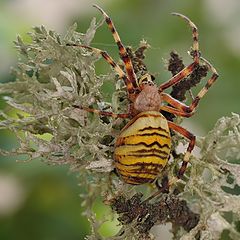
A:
[142,148]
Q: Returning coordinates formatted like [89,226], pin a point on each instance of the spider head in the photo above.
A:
[149,98]
[146,80]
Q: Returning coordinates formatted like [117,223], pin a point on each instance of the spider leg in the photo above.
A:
[178,77]
[103,113]
[187,155]
[205,89]
[181,108]
[175,111]
[167,183]
[195,48]
[109,59]
[195,53]
[178,105]
[122,50]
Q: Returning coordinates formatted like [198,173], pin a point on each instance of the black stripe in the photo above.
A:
[113,30]
[126,173]
[143,156]
[153,128]
[151,134]
[138,117]
[195,38]
[208,85]
[108,20]
[141,164]
[194,29]
[142,170]
[120,46]
[137,180]
[195,101]
[215,76]
[147,171]
[145,144]
[147,134]
[152,150]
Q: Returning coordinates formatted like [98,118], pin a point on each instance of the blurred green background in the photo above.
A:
[42,202]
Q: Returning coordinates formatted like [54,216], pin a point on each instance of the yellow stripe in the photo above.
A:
[202,92]
[135,168]
[142,148]
[121,167]
[133,140]
[142,120]
[131,160]
[139,175]
[125,150]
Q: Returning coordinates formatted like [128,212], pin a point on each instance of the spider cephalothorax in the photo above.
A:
[142,148]
[148,99]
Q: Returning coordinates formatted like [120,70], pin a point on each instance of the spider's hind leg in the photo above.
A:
[164,187]
[187,155]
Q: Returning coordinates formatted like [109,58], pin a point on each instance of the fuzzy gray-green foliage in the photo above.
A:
[52,77]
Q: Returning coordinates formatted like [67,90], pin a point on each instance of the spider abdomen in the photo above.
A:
[142,148]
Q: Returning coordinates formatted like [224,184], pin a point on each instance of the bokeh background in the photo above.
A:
[42,202]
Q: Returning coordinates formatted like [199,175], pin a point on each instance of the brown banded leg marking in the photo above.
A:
[166,184]
[190,147]
[176,111]
[195,53]
[174,102]
[103,113]
[178,77]
[181,108]
[195,47]
[122,50]
[110,60]
[205,89]
[187,155]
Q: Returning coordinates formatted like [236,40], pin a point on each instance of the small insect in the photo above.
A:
[142,148]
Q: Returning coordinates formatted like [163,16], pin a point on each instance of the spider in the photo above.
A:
[142,148]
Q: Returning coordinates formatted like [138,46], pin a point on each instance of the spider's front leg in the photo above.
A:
[195,53]
[109,60]
[195,48]
[205,89]
[122,50]
[181,109]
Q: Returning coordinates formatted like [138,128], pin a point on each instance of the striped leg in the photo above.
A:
[167,183]
[181,108]
[195,53]
[190,147]
[195,48]
[175,111]
[204,90]
[178,77]
[165,187]
[103,113]
[109,59]
[122,50]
